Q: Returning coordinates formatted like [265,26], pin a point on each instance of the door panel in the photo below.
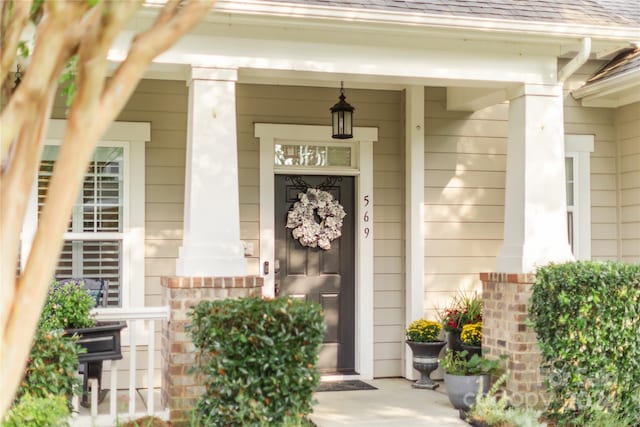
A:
[324,277]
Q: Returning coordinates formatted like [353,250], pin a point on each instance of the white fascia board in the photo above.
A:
[612,92]
[449,65]
[255,7]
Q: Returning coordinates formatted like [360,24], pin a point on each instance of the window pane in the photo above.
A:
[568,165]
[312,155]
[570,229]
[340,156]
[93,259]
[100,202]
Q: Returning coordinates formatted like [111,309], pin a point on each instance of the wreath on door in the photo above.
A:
[316,219]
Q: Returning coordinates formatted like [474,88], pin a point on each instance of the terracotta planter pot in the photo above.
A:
[425,361]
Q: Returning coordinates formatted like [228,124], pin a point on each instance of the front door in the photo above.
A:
[326,277]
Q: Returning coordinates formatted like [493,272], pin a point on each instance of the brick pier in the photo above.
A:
[505,331]
[180,390]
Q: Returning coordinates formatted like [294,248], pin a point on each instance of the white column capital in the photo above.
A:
[213,74]
[528,89]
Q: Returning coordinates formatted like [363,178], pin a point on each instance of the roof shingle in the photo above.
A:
[589,12]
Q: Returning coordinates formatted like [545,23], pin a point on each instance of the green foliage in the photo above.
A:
[68,305]
[495,411]
[52,366]
[43,411]
[68,80]
[587,317]
[457,363]
[422,330]
[257,359]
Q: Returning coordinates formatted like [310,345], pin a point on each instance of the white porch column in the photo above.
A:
[211,245]
[535,223]
[414,232]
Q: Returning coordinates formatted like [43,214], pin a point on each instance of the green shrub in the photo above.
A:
[68,305]
[52,366]
[587,317]
[44,411]
[257,359]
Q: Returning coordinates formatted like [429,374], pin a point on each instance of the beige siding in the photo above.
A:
[465,158]
[628,128]
[307,105]
[598,122]
[164,105]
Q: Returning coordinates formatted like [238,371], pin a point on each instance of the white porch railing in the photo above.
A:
[140,331]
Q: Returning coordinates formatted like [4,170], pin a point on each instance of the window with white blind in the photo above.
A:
[105,235]
[93,246]
[578,149]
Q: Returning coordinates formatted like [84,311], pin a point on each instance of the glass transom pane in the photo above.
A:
[312,155]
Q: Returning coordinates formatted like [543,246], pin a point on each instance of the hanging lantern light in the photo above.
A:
[342,118]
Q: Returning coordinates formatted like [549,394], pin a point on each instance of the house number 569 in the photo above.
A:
[365,217]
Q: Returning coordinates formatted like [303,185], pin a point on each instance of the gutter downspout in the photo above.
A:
[577,61]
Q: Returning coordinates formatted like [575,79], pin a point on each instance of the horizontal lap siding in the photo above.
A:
[465,162]
[598,122]
[163,104]
[628,127]
[310,106]
[465,158]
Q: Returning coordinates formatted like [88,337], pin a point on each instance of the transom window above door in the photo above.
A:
[319,156]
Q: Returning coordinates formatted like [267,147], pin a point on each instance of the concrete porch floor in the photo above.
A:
[395,403]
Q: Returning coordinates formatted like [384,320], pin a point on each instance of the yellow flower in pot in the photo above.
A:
[423,336]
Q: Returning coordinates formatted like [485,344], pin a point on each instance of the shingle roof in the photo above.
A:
[623,63]
[589,12]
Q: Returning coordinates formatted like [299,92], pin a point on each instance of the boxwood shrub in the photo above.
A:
[257,360]
[587,317]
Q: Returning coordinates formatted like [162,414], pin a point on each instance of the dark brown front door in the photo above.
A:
[326,277]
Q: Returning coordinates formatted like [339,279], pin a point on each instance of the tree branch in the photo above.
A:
[15,15]
[56,34]
[144,48]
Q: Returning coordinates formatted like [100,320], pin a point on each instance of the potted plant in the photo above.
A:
[69,307]
[465,376]
[471,337]
[423,336]
[462,310]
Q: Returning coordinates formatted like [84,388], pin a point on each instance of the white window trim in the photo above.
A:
[363,138]
[580,147]
[131,136]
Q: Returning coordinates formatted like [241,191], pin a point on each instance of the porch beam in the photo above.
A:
[535,218]
[473,99]
[414,237]
[212,245]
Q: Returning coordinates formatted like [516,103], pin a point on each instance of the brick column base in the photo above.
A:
[180,390]
[506,302]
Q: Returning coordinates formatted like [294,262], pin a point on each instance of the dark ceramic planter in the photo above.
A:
[471,350]
[453,341]
[462,390]
[425,361]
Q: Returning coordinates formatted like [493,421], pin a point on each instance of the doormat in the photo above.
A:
[346,385]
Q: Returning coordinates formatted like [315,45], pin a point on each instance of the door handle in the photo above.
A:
[265,268]
[276,268]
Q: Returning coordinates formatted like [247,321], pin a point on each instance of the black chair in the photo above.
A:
[96,287]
